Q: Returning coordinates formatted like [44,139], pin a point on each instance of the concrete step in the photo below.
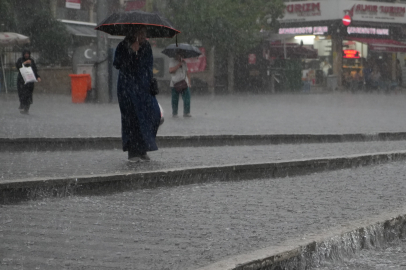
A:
[99,143]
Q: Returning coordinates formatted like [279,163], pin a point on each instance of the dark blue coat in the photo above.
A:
[140,113]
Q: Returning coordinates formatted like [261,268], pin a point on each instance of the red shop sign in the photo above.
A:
[252,59]
[351,54]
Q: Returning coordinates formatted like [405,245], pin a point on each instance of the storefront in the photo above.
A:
[373,33]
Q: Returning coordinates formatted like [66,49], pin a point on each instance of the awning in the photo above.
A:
[81,30]
[382,45]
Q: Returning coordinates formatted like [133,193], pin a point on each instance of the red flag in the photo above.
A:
[135,5]
[197,64]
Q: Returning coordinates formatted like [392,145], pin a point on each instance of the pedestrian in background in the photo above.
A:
[398,73]
[140,113]
[25,90]
[367,71]
[179,71]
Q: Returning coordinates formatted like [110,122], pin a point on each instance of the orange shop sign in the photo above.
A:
[351,54]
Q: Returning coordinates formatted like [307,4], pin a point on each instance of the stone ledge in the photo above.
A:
[104,143]
[339,242]
[12,191]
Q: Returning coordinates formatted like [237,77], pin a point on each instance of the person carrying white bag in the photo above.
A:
[25,81]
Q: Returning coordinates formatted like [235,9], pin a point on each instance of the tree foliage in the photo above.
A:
[226,24]
[7,20]
[34,19]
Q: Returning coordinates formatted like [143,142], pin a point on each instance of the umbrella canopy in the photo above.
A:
[122,23]
[9,39]
[184,49]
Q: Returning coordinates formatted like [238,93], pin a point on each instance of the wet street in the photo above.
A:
[22,165]
[281,143]
[56,116]
[190,226]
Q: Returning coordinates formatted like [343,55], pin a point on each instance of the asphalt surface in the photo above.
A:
[22,165]
[56,116]
[191,226]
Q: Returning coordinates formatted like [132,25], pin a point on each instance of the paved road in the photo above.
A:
[56,116]
[191,226]
[21,165]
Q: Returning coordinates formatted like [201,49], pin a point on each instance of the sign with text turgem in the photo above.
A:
[311,11]
[306,11]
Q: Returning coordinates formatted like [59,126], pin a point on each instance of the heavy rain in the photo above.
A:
[202,135]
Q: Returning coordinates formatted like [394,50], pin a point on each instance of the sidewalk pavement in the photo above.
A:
[23,165]
[191,226]
[56,116]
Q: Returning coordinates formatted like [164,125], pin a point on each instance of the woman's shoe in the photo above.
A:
[134,159]
[187,115]
[145,157]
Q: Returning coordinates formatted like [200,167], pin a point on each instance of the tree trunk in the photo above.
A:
[102,68]
[53,8]
[211,70]
[230,71]
[337,46]
[149,6]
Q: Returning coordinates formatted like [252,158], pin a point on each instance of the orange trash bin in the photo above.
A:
[81,83]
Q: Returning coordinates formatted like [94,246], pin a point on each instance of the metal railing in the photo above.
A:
[9,72]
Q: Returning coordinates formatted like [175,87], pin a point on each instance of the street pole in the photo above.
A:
[102,68]
[337,48]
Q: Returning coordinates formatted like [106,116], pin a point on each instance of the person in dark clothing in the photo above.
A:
[398,73]
[140,113]
[367,71]
[25,91]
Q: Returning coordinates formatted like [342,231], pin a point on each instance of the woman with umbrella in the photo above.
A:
[180,78]
[140,113]
[179,72]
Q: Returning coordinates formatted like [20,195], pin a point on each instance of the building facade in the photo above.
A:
[348,34]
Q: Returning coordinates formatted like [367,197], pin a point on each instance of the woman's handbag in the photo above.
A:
[153,89]
[28,74]
[180,86]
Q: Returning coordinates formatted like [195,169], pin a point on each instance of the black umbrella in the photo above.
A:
[122,23]
[184,49]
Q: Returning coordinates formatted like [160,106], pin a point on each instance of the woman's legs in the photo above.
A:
[175,102]
[25,92]
[186,101]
